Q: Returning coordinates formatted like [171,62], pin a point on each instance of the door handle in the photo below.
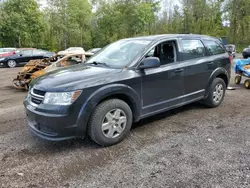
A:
[178,70]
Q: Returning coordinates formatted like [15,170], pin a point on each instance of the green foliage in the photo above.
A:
[96,23]
[21,23]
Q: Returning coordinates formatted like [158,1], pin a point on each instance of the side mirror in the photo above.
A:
[150,62]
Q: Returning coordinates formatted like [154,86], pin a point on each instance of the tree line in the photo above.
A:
[59,24]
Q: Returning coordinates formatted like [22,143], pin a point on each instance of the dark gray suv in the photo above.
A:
[126,81]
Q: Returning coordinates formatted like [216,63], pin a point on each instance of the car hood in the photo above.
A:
[74,77]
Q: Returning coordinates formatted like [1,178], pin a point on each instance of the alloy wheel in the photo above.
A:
[114,123]
[218,93]
[11,63]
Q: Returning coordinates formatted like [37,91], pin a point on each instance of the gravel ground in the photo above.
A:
[190,147]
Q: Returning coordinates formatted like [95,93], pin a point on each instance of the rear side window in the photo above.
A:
[192,49]
[213,47]
[26,52]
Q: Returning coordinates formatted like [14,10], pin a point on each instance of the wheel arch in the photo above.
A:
[114,91]
[218,73]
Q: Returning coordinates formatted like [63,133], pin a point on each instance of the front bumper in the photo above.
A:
[53,127]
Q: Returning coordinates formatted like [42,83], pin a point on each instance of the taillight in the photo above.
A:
[230,58]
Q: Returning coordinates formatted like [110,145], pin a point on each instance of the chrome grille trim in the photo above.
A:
[34,96]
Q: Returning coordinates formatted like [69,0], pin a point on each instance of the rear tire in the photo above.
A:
[247,84]
[216,93]
[110,122]
[237,79]
[11,63]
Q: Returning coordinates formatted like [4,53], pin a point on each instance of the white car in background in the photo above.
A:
[4,51]
[72,50]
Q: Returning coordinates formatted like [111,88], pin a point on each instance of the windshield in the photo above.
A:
[120,53]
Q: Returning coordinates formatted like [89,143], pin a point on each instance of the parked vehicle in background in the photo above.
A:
[128,80]
[24,56]
[242,69]
[13,51]
[94,50]
[246,52]
[71,50]
[231,49]
[36,68]
[7,51]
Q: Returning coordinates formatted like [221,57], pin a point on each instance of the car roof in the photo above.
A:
[7,48]
[165,36]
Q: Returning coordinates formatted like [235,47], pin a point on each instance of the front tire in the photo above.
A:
[216,93]
[110,122]
[11,63]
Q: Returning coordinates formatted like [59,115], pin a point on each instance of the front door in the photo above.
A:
[162,87]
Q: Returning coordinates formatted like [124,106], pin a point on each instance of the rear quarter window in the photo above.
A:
[213,47]
[192,49]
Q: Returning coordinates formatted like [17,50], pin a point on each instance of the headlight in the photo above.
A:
[1,59]
[65,98]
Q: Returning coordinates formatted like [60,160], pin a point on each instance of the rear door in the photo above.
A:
[217,52]
[198,68]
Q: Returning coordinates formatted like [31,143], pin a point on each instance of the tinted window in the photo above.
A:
[192,49]
[213,47]
[167,54]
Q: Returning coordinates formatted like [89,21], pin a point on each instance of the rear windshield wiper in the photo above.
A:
[98,63]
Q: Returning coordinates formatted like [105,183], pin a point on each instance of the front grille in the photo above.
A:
[36,100]
[36,97]
[39,92]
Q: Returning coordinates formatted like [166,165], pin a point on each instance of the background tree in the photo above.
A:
[22,23]
[96,23]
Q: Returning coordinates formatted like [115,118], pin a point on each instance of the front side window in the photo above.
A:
[213,47]
[120,53]
[165,52]
[192,49]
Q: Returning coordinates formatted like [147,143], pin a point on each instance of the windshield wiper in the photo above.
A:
[99,63]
